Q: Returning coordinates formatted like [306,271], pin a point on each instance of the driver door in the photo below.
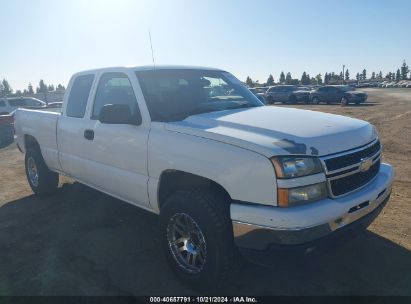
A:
[110,157]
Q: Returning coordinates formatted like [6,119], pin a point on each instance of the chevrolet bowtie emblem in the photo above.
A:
[365,164]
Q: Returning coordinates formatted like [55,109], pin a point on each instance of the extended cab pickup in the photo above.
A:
[222,170]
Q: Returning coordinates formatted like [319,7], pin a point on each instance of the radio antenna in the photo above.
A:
[152,52]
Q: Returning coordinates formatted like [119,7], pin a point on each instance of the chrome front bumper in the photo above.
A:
[302,225]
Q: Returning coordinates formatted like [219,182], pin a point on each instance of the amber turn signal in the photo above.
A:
[282,197]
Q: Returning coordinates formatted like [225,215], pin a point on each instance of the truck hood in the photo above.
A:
[271,130]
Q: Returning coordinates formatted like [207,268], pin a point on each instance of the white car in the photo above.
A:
[223,172]
[8,105]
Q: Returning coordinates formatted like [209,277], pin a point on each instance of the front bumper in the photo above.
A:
[261,227]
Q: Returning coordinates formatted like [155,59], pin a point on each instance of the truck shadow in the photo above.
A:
[82,242]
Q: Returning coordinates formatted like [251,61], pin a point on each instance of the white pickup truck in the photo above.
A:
[223,171]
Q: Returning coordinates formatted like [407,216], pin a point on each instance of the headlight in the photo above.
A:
[295,166]
[299,195]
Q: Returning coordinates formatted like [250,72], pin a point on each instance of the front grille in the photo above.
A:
[344,171]
[351,182]
[351,158]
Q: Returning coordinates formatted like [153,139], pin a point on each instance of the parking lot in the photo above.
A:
[82,242]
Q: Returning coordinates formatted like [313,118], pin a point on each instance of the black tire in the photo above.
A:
[47,180]
[344,101]
[210,213]
[315,100]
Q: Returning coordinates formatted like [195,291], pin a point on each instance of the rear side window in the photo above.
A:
[114,88]
[2,103]
[77,101]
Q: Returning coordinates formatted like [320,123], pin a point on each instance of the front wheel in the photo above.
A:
[344,101]
[197,238]
[41,179]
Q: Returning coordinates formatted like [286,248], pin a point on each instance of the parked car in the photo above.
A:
[6,129]
[8,105]
[287,94]
[260,93]
[223,172]
[337,94]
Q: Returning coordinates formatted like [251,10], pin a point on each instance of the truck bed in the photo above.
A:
[42,125]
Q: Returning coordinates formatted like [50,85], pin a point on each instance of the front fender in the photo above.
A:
[244,174]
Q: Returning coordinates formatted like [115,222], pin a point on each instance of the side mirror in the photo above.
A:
[119,114]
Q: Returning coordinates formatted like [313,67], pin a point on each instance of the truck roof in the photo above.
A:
[148,68]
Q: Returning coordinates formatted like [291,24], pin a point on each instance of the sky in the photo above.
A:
[51,40]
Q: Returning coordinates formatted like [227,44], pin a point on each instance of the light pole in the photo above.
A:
[343,75]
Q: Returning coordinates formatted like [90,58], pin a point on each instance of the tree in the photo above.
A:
[294,82]
[404,70]
[380,75]
[282,77]
[398,75]
[364,74]
[270,80]
[373,75]
[30,89]
[318,79]
[60,87]
[25,92]
[288,78]
[6,88]
[358,77]
[347,75]
[305,79]
[18,93]
[50,87]
[326,78]
[249,82]
[42,88]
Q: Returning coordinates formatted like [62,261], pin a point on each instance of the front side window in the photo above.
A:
[17,102]
[114,88]
[174,94]
[79,93]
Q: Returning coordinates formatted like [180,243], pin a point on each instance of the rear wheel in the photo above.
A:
[41,179]
[197,238]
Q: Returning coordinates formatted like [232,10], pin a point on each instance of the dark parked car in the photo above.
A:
[8,105]
[287,94]
[260,93]
[337,94]
[6,129]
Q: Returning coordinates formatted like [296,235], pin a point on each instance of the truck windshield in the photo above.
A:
[174,94]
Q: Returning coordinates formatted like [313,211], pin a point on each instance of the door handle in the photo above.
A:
[89,134]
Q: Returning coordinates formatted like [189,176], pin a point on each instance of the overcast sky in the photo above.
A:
[51,40]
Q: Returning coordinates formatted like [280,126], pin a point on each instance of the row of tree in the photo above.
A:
[332,78]
[7,90]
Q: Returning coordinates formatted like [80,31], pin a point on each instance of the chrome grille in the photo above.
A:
[346,171]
